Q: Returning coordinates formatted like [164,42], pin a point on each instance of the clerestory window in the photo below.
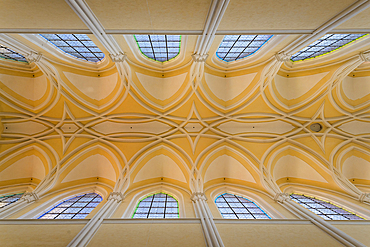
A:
[157,206]
[77,45]
[237,207]
[9,199]
[7,53]
[160,48]
[325,45]
[75,208]
[324,209]
[234,47]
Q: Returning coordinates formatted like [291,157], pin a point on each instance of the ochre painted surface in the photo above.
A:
[282,235]
[39,14]
[154,235]
[38,235]
[360,232]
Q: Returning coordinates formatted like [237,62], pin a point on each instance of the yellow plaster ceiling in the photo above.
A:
[242,124]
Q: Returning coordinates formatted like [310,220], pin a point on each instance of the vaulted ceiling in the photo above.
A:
[195,121]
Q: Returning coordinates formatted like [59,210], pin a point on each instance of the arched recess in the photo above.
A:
[160,92]
[293,165]
[95,164]
[162,188]
[227,165]
[27,166]
[354,91]
[340,199]
[245,193]
[295,91]
[354,164]
[30,91]
[88,88]
[49,200]
[160,164]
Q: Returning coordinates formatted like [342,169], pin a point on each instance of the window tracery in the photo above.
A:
[75,208]
[325,45]
[237,207]
[7,53]
[159,205]
[77,45]
[160,48]
[234,47]
[324,209]
[9,199]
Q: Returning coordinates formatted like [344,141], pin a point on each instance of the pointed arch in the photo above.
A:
[31,164]
[168,164]
[93,164]
[353,163]
[291,164]
[227,162]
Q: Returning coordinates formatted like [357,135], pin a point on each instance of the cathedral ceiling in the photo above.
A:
[128,122]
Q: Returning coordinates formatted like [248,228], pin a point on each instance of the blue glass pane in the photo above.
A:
[159,47]
[157,206]
[234,47]
[326,210]
[77,45]
[74,208]
[9,54]
[237,207]
[324,45]
[8,199]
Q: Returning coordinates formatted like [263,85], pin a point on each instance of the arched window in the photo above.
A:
[75,208]
[237,207]
[157,206]
[77,45]
[234,47]
[324,209]
[12,55]
[324,45]
[9,199]
[160,48]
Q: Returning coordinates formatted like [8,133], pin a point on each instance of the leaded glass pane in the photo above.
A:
[9,199]
[75,208]
[77,45]
[160,48]
[157,206]
[234,47]
[324,45]
[237,207]
[326,210]
[9,54]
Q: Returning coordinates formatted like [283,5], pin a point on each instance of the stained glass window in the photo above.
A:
[324,209]
[324,45]
[9,54]
[77,45]
[75,208]
[234,47]
[157,206]
[8,199]
[159,47]
[237,207]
